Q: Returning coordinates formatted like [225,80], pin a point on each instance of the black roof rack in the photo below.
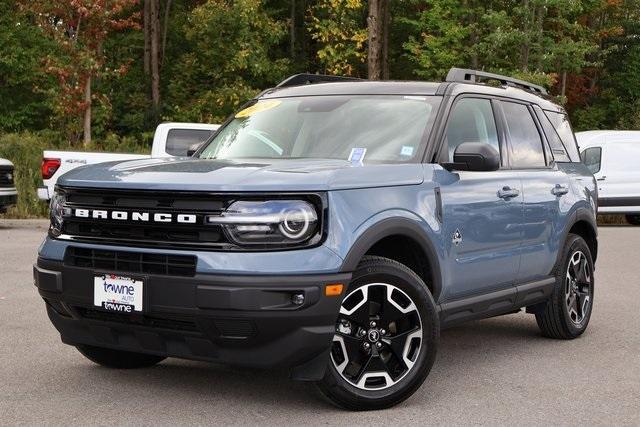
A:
[305,79]
[461,75]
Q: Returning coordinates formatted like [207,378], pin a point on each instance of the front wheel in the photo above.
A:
[386,338]
[567,313]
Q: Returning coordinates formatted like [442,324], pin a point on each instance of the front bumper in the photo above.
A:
[239,320]
[8,198]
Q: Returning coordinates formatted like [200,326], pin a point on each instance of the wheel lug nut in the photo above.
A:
[372,324]
[361,333]
[366,346]
[383,332]
[379,344]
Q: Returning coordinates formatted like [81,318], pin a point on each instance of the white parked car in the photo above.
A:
[8,193]
[614,159]
[169,140]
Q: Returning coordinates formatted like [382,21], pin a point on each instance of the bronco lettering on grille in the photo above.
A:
[135,216]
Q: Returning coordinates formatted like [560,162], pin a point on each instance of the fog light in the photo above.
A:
[297,299]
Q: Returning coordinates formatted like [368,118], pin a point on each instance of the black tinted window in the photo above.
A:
[560,122]
[179,140]
[471,121]
[591,158]
[526,145]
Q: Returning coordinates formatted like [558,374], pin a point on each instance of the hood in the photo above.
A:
[188,174]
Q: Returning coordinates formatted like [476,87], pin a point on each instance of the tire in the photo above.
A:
[400,350]
[118,359]
[566,314]
[633,219]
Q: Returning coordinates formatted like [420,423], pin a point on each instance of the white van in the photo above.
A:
[614,159]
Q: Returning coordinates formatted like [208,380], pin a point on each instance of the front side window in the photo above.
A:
[592,157]
[524,138]
[379,129]
[179,140]
[471,120]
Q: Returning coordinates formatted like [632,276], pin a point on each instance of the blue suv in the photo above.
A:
[334,227]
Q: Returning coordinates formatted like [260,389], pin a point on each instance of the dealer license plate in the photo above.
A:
[117,293]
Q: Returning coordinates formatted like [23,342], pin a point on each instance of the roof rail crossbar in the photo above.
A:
[461,75]
[304,79]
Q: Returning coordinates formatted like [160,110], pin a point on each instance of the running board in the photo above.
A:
[495,303]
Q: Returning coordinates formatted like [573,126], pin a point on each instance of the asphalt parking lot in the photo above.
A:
[494,371]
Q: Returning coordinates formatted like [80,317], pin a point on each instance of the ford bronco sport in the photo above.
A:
[334,227]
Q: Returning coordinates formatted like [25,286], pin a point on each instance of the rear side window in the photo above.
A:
[560,122]
[525,142]
[592,158]
[472,120]
[179,140]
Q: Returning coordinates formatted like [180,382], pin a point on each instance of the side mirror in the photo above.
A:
[475,156]
[193,148]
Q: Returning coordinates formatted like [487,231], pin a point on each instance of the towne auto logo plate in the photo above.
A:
[117,293]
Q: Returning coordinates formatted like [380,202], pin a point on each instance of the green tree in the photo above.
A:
[339,31]
[227,60]
[24,85]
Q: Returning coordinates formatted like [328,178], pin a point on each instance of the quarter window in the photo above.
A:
[526,144]
[591,157]
[471,121]
[561,124]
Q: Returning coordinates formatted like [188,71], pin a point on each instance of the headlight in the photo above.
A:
[273,222]
[57,212]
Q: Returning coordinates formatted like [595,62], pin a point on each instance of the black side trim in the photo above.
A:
[395,227]
[495,303]
[619,201]
[438,204]
[581,214]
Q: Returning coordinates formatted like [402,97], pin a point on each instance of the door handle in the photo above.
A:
[559,190]
[602,178]
[507,193]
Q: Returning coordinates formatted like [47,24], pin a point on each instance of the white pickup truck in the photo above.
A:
[169,140]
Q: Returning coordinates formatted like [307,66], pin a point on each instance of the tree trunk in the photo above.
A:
[526,45]
[385,38]
[165,26]
[155,52]
[563,84]
[146,15]
[292,32]
[87,112]
[374,23]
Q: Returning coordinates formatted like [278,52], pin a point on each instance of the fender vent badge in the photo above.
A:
[457,237]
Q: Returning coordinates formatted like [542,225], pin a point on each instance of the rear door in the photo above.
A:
[481,211]
[545,189]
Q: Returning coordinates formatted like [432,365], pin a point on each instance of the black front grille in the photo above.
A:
[131,262]
[6,176]
[173,322]
[132,217]
[147,232]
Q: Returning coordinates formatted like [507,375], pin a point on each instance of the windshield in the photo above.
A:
[355,128]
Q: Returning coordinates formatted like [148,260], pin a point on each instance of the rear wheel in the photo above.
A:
[118,359]
[633,219]
[567,313]
[386,338]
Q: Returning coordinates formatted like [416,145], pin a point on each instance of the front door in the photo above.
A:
[482,212]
